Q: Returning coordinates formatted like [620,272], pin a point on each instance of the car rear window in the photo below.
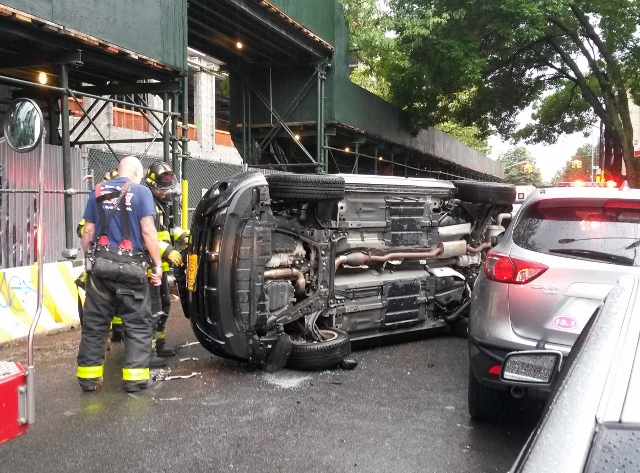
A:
[606,231]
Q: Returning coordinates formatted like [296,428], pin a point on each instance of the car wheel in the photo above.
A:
[305,187]
[486,192]
[485,404]
[313,356]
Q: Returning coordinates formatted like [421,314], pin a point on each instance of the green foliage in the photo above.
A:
[374,45]
[482,62]
[569,173]
[516,161]
[369,44]
[467,135]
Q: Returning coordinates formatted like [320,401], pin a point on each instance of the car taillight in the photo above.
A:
[509,269]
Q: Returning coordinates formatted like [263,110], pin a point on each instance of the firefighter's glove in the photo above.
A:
[183,241]
[81,281]
[175,257]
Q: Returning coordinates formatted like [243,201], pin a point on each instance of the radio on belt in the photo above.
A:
[13,400]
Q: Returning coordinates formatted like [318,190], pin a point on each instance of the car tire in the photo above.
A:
[486,192]
[306,187]
[485,404]
[315,356]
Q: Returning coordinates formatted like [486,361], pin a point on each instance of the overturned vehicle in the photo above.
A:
[289,268]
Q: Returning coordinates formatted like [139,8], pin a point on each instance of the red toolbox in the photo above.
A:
[13,400]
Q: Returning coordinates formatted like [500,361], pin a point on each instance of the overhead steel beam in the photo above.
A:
[34,60]
[263,19]
[124,89]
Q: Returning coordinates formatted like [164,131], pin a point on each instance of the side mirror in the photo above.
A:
[23,125]
[531,367]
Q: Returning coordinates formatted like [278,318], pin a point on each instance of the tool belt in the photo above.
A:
[123,268]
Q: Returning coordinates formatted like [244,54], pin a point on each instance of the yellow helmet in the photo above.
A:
[110,175]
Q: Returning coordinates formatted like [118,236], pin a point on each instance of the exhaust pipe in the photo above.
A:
[517,391]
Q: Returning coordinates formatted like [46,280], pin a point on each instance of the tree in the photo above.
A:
[482,62]
[572,171]
[467,135]
[368,44]
[520,167]
[373,47]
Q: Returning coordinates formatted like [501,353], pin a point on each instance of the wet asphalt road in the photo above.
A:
[403,409]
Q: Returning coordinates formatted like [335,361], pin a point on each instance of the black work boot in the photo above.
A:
[162,349]
[155,361]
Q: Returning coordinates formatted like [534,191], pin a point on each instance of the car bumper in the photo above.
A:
[483,355]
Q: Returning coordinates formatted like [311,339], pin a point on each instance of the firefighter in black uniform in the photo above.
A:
[119,238]
[162,182]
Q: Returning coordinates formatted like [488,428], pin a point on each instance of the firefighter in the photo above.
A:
[119,239]
[117,331]
[162,182]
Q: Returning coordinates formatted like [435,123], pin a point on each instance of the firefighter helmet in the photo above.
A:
[110,175]
[160,176]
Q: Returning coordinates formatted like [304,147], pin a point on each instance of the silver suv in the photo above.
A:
[548,273]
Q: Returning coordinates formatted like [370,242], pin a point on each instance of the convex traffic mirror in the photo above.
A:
[23,125]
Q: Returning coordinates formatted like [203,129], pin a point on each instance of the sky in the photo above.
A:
[549,158]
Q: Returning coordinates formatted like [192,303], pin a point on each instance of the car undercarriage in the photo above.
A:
[289,268]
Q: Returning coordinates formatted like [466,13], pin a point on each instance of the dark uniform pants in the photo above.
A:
[131,301]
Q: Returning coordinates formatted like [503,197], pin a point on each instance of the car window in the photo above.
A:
[605,231]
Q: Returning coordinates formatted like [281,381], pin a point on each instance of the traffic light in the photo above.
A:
[576,164]
[527,167]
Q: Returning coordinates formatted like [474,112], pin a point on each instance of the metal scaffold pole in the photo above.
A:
[185,151]
[66,158]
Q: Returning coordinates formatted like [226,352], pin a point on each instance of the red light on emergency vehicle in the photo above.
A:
[500,267]
[612,184]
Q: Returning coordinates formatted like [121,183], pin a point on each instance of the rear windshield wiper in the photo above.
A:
[594,255]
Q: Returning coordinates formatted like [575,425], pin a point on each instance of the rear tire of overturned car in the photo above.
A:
[305,187]
[485,404]
[486,192]
[315,356]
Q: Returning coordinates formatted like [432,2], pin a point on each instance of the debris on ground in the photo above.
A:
[189,358]
[181,376]
[186,344]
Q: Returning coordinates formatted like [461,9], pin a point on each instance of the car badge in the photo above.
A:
[565,322]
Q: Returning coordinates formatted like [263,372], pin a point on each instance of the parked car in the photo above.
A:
[289,268]
[591,422]
[562,254]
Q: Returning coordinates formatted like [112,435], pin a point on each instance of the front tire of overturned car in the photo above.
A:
[315,356]
[486,192]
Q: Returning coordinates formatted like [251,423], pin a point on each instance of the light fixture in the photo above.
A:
[297,137]
[379,158]
[239,45]
[347,149]
[42,78]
